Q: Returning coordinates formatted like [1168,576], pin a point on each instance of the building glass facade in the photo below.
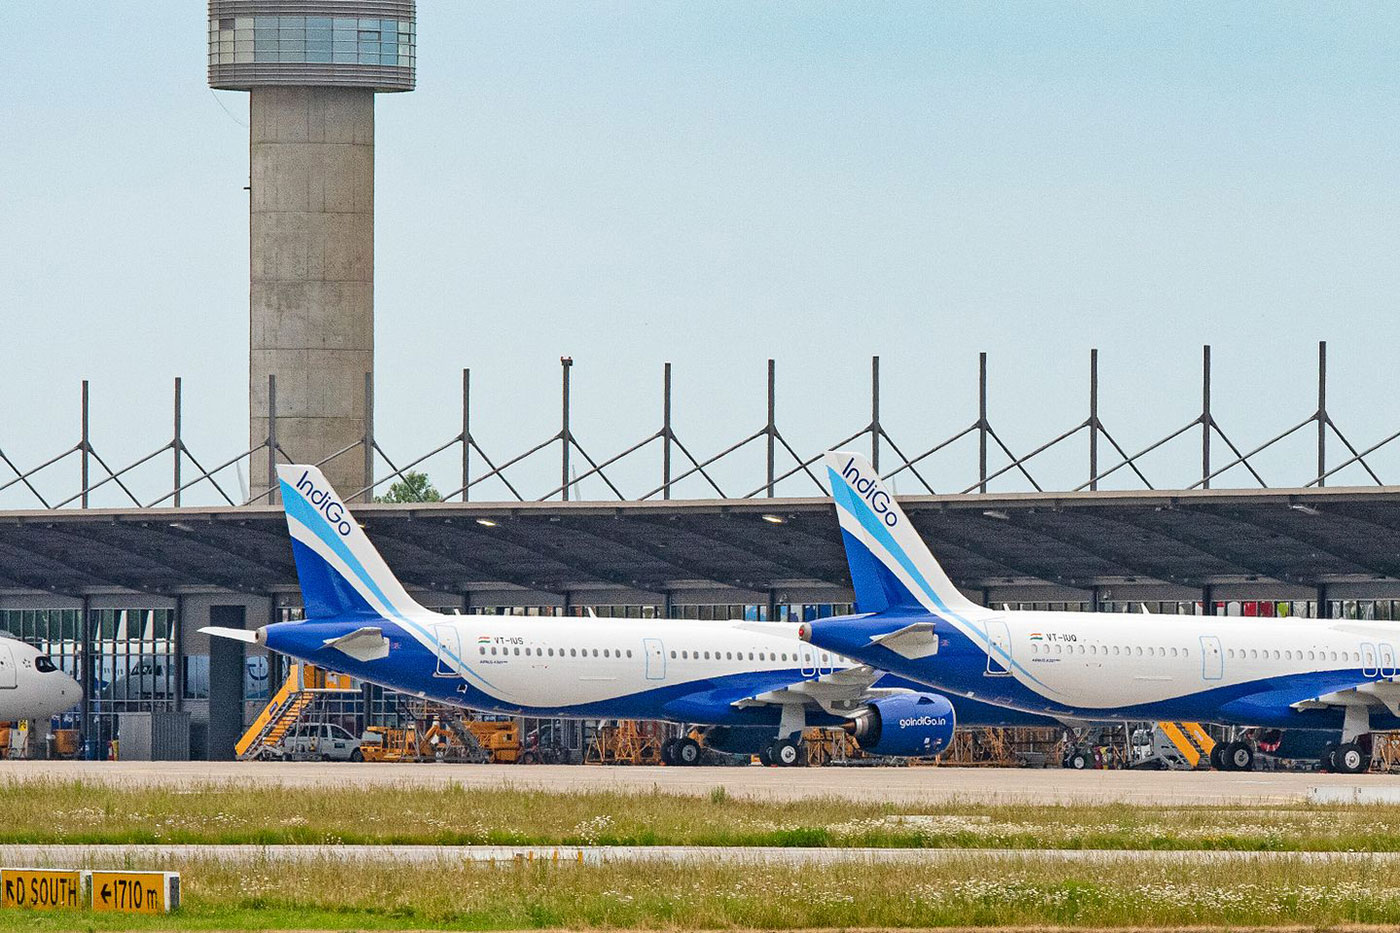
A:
[311,39]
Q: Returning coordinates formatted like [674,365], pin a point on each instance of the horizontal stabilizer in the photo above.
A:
[237,634]
[916,640]
[363,644]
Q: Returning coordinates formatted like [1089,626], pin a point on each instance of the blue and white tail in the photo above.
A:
[341,573]
[891,566]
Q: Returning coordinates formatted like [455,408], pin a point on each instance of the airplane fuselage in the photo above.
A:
[31,687]
[682,671]
[1113,666]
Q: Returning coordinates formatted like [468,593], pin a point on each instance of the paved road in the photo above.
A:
[896,785]
[40,856]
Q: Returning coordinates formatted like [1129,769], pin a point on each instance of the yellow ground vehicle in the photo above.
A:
[445,737]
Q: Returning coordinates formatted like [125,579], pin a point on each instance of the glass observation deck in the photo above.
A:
[249,50]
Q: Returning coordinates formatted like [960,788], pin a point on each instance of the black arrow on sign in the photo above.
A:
[106,894]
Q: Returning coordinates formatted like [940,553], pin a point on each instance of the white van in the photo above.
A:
[317,740]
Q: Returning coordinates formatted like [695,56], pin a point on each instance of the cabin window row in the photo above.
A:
[549,652]
[1253,654]
[1115,650]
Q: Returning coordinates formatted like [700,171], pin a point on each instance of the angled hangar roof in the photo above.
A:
[1196,538]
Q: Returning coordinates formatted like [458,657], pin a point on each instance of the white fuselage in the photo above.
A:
[30,688]
[1114,660]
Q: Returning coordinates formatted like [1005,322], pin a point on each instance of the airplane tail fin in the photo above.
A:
[340,572]
[891,566]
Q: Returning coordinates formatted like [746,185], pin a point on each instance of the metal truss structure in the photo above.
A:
[680,463]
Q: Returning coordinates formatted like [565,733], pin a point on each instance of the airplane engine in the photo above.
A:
[913,725]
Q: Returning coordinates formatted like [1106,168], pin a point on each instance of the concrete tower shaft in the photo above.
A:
[312,284]
[313,68]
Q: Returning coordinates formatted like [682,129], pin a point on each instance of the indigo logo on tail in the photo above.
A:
[870,490]
[326,504]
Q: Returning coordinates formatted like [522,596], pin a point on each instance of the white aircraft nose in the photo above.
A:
[65,693]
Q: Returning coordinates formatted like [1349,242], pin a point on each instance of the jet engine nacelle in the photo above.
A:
[912,725]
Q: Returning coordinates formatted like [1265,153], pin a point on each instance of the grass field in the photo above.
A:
[968,891]
[73,812]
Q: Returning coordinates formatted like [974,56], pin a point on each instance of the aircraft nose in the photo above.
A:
[66,692]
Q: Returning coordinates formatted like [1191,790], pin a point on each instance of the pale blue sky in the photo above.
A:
[714,184]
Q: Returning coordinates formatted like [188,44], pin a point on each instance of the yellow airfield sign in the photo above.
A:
[136,892]
[42,888]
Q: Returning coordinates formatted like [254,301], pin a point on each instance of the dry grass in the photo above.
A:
[969,891]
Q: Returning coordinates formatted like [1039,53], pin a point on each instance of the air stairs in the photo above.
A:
[303,685]
[1186,741]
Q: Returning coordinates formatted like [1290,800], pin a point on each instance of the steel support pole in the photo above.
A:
[271,439]
[85,678]
[666,437]
[1322,412]
[982,421]
[86,447]
[1094,420]
[565,362]
[369,436]
[1207,421]
[772,429]
[178,443]
[179,653]
[875,413]
[466,430]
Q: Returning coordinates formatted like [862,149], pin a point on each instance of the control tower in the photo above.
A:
[312,68]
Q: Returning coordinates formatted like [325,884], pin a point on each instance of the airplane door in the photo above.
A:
[1212,660]
[9,674]
[1370,667]
[809,663]
[449,651]
[1387,664]
[656,658]
[999,651]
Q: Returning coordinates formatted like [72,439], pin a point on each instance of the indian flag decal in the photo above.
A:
[483,639]
[1036,636]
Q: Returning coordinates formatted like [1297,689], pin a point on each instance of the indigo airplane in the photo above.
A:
[1338,678]
[31,685]
[755,685]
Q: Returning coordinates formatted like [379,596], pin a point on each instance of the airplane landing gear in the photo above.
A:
[1349,758]
[785,753]
[1217,756]
[1237,756]
[686,751]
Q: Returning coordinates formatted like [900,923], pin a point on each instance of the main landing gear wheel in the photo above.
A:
[786,753]
[1077,761]
[1238,756]
[1328,762]
[1350,758]
[687,752]
[1217,756]
[765,755]
[668,752]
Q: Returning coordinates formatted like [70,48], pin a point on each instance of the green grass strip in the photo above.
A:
[56,812]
